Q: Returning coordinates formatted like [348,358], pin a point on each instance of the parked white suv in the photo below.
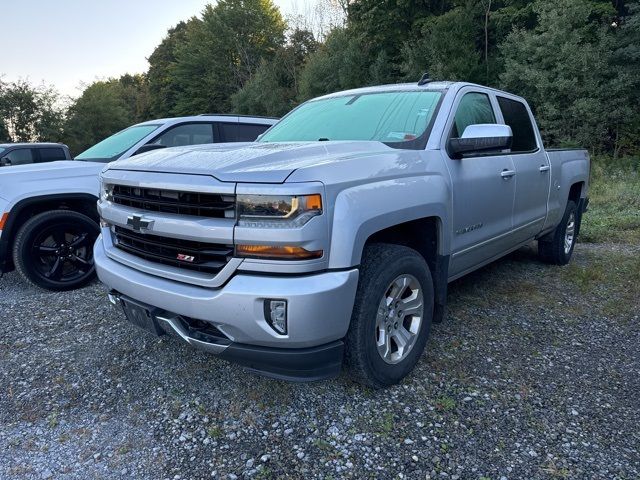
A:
[48,217]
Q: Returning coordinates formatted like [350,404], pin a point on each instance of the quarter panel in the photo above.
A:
[567,167]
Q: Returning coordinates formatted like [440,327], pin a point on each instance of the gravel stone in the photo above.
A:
[534,374]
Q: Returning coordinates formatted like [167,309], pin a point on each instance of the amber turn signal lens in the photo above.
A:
[3,219]
[276,253]
[314,202]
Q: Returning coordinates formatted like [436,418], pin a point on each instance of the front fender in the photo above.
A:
[363,210]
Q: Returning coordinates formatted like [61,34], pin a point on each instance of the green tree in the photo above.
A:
[222,51]
[274,89]
[343,62]
[162,91]
[447,47]
[563,68]
[29,113]
[105,107]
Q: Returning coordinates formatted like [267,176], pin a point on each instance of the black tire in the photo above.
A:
[381,264]
[54,250]
[552,248]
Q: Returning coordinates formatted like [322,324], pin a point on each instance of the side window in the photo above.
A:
[249,133]
[517,117]
[20,156]
[473,108]
[51,154]
[228,132]
[188,134]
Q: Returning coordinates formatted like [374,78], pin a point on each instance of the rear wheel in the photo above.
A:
[391,317]
[54,250]
[558,247]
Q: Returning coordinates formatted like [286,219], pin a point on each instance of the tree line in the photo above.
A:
[577,62]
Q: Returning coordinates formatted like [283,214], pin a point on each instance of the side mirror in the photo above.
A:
[149,147]
[481,138]
[5,162]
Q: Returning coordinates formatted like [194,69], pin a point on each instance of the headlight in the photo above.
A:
[271,211]
[106,192]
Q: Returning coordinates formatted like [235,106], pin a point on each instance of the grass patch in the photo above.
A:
[584,277]
[613,278]
[614,207]
[445,404]
[215,431]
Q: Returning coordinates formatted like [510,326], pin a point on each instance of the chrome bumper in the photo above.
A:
[319,306]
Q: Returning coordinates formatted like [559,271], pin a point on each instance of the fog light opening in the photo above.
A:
[275,313]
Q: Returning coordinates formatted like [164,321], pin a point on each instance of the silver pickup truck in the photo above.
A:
[331,240]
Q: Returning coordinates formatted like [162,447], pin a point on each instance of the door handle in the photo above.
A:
[507,174]
[544,168]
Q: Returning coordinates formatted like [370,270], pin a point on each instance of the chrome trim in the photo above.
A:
[497,237]
[176,326]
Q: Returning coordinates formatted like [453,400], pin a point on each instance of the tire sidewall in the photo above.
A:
[383,372]
[571,207]
[24,260]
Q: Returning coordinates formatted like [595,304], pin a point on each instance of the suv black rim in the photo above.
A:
[63,253]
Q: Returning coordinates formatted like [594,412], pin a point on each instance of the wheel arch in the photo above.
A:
[423,235]
[22,211]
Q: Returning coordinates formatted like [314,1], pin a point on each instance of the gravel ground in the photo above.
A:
[534,374]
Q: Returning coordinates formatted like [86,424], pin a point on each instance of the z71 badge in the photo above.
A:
[186,258]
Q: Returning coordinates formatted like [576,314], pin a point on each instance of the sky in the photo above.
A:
[65,43]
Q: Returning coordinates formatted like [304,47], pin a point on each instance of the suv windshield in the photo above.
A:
[401,119]
[112,147]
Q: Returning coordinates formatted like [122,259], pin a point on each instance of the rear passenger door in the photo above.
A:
[532,169]
[483,189]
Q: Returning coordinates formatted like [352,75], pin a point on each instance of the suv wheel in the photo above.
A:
[54,250]
[391,317]
[558,249]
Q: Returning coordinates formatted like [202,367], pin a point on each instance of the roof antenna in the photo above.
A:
[425,79]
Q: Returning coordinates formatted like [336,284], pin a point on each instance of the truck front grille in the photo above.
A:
[187,254]
[210,205]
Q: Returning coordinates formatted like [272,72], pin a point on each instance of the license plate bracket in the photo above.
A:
[141,315]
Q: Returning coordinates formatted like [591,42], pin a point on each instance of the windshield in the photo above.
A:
[399,119]
[112,147]
[2,149]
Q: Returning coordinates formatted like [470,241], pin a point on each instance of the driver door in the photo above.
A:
[483,190]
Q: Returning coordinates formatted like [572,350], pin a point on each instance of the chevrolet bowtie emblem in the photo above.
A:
[138,222]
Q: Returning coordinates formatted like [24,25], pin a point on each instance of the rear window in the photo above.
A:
[248,132]
[51,154]
[517,117]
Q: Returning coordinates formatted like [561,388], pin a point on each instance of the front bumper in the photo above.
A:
[319,311]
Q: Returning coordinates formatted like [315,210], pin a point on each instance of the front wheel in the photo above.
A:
[391,317]
[54,250]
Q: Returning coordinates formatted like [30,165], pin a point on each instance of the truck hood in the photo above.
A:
[39,171]
[247,162]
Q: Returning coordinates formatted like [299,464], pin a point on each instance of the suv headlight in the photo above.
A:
[106,192]
[277,211]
